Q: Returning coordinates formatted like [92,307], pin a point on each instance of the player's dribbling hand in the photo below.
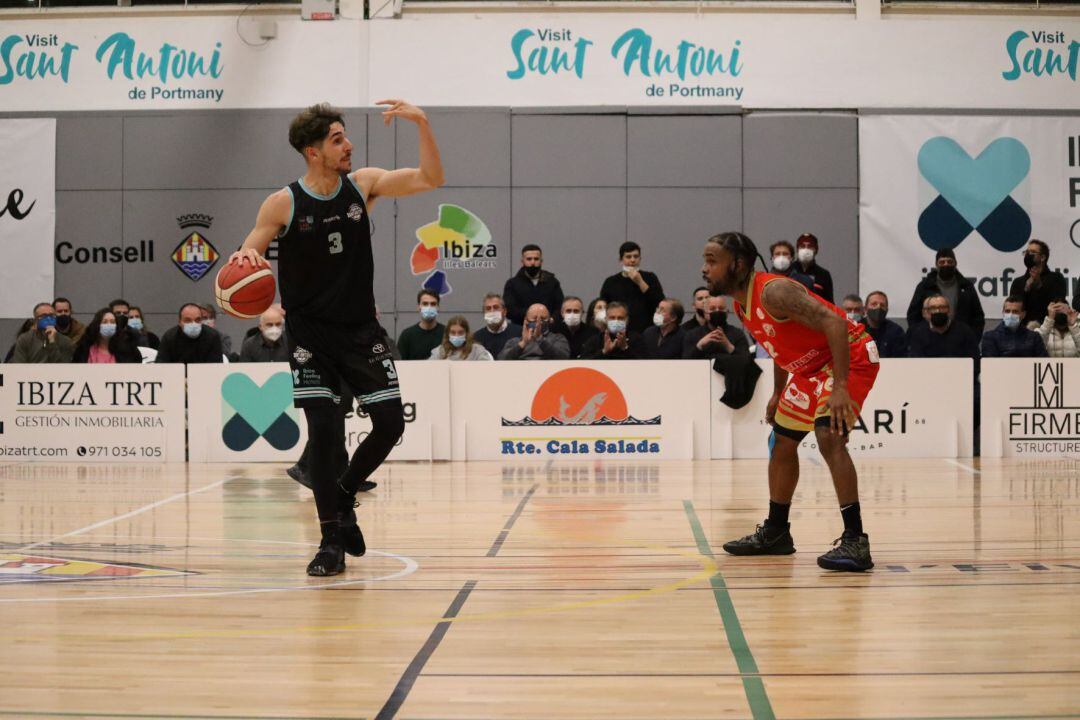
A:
[251,255]
[841,412]
[770,409]
[401,109]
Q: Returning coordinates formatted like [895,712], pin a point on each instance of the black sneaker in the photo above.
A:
[850,553]
[763,541]
[366,485]
[330,560]
[352,540]
[299,476]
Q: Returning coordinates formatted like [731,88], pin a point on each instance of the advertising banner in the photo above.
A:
[918,408]
[982,186]
[1030,407]
[92,413]
[27,213]
[571,410]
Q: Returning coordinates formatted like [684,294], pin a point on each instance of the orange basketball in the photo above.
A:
[245,291]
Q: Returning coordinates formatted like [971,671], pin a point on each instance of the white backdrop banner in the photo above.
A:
[1030,407]
[918,408]
[27,213]
[92,413]
[565,410]
[244,412]
[981,185]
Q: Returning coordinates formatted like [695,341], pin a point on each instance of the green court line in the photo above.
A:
[754,687]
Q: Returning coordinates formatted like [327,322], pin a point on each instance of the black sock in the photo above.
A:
[852,519]
[778,515]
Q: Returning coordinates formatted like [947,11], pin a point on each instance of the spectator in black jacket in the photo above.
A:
[806,253]
[783,263]
[619,342]
[104,341]
[890,338]
[138,324]
[1011,338]
[189,341]
[945,279]
[531,285]
[940,335]
[718,339]
[269,344]
[498,329]
[639,290]
[572,326]
[1039,286]
[698,318]
[664,340]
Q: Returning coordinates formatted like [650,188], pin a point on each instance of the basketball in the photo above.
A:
[245,291]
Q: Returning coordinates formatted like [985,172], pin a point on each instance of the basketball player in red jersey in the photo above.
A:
[824,366]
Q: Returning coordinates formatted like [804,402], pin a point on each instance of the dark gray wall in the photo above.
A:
[576,181]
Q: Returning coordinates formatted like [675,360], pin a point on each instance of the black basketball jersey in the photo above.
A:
[325,265]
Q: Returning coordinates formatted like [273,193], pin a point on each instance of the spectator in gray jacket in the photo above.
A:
[269,344]
[43,343]
[537,342]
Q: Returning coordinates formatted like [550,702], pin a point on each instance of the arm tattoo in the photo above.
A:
[785,299]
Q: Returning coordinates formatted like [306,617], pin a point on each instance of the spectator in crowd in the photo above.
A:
[853,307]
[718,338]
[664,340]
[940,335]
[1011,338]
[269,345]
[573,327]
[1060,331]
[597,314]
[105,341]
[497,328]
[209,318]
[638,290]
[190,341]
[783,263]
[537,342]
[120,309]
[806,252]
[945,279]
[143,336]
[42,342]
[26,325]
[459,344]
[1039,286]
[66,324]
[698,317]
[890,338]
[417,341]
[619,341]
[531,285]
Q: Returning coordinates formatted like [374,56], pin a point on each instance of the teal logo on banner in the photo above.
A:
[251,412]
[974,194]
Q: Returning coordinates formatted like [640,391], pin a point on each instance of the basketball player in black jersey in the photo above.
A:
[325,274]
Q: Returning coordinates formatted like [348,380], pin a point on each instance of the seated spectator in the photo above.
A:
[104,341]
[42,342]
[946,280]
[638,290]
[417,341]
[573,327]
[537,342]
[939,336]
[209,319]
[718,339]
[143,336]
[459,344]
[806,254]
[1011,338]
[531,285]
[852,305]
[1039,285]
[663,341]
[269,345]
[26,325]
[890,338]
[189,341]
[698,319]
[497,328]
[618,342]
[597,315]
[1060,331]
[783,263]
[66,324]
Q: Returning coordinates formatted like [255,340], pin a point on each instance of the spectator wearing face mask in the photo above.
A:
[572,326]
[189,341]
[597,314]
[939,335]
[66,324]
[664,340]
[718,339]
[945,279]
[105,342]
[1039,285]
[1011,338]
[417,341]
[698,317]
[853,307]
[269,344]
[890,338]
[1060,330]
[639,290]
[531,285]
[618,341]
[806,253]
[42,342]
[459,344]
[137,324]
[497,328]
[783,263]
[537,342]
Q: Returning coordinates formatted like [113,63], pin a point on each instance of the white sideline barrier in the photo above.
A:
[1030,407]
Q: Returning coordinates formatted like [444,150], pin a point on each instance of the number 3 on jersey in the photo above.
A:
[334,239]
[391,372]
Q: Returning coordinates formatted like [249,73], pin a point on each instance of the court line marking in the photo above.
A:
[756,695]
[962,466]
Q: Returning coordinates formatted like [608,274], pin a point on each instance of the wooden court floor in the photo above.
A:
[574,590]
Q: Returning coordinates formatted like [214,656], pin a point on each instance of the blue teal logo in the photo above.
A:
[974,194]
[250,412]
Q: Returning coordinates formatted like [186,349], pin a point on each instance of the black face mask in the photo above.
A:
[1061,320]
[532,270]
[121,321]
[1030,261]
[946,273]
[718,319]
[63,322]
[700,312]
[939,319]
[876,315]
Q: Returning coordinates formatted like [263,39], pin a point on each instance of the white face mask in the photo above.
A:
[616,326]
[658,319]
[806,254]
[572,319]
[495,317]
[781,262]
[272,332]
[600,315]
[628,269]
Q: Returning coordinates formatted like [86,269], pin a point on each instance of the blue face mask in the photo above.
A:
[46,321]
[429,312]
[457,340]
[193,330]
[616,326]
[135,324]
[1011,321]
[108,329]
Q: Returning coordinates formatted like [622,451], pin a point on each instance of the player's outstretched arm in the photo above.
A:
[270,221]
[405,181]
